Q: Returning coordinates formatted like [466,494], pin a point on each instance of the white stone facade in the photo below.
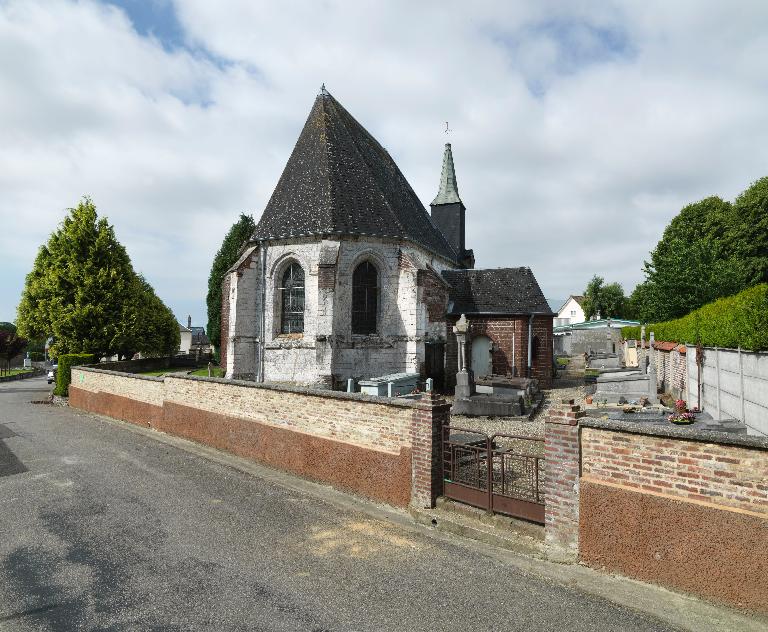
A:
[327,352]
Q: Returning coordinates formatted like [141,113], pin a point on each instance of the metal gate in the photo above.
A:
[502,473]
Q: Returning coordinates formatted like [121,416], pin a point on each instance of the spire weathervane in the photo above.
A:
[448,130]
[323,91]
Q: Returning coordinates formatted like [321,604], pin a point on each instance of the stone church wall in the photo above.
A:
[412,303]
[242,323]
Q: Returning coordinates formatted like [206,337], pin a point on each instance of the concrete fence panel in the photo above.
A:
[734,385]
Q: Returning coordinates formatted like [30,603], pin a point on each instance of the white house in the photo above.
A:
[186,339]
[571,312]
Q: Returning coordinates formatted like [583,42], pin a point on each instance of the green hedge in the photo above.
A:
[736,321]
[64,372]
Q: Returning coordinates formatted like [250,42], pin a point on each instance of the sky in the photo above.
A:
[579,129]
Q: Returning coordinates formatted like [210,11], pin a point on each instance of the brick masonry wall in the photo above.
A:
[725,475]
[510,334]
[363,422]
[561,487]
[426,440]
[692,515]
[383,449]
[542,360]
[142,388]
[671,368]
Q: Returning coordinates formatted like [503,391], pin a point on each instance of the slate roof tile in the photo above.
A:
[495,291]
[340,181]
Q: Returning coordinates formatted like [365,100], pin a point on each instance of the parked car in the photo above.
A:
[52,374]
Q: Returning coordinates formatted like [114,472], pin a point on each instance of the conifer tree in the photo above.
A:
[231,248]
[83,291]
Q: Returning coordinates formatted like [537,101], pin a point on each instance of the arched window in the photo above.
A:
[365,298]
[292,290]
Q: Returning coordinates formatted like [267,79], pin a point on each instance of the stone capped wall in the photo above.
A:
[687,510]
[384,449]
[728,475]
[378,426]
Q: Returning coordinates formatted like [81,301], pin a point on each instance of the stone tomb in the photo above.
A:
[393,385]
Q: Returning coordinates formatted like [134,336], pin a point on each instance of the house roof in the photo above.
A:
[340,181]
[199,336]
[603,323]
[449,190]
[503,291]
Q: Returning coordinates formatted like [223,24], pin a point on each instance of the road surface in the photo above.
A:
[106,527]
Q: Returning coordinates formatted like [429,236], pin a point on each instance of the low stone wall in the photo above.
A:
[675,506]
[383,449]
[22,376]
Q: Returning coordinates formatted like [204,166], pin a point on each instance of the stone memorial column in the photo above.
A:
[464,376]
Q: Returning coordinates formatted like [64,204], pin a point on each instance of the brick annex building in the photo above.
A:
[347,275]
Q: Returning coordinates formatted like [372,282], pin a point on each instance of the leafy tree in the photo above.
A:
[607,300]
[702,256]
[11,345]
[231,248]
[83,291]
[746,237]
[636,307]
[147,325]
[692,274]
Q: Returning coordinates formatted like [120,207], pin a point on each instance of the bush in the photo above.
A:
[36,356]
[736,321]
[64,372]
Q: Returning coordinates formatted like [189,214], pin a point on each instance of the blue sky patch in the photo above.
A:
[577,44]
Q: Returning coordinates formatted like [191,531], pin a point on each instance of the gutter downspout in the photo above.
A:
[530,344]
[262,342]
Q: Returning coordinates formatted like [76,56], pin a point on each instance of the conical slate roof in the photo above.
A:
[340,181]
[449,190]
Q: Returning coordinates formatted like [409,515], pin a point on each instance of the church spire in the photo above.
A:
[449,190]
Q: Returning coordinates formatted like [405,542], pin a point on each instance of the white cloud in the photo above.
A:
[579,131]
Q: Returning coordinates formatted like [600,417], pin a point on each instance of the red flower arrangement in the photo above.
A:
[682,415]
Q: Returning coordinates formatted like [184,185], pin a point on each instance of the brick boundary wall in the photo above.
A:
[426,445]
[387,450]
[682,508]
[561,487]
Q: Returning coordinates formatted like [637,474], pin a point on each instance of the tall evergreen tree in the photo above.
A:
[231,248]
[82,289]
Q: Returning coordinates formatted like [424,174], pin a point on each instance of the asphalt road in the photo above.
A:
[106,528]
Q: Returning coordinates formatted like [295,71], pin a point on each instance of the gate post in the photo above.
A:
[427,423]
[563,461]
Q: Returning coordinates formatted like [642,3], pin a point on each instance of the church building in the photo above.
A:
[348,276]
